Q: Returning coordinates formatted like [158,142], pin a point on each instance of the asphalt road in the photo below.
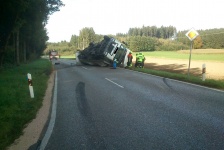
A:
[103,108]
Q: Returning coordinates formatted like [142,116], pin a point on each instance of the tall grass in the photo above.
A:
[16,106]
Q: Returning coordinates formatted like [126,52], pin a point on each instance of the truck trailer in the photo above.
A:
[104,53]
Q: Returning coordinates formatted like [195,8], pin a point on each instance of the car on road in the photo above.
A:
[54,57]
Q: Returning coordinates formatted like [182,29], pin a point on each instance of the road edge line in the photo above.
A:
[53,117]
[217,90]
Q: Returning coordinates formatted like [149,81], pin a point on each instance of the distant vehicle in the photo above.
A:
[104,53]
[54,56]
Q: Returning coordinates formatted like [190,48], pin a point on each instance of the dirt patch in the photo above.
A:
[214,70]
[32,132]
[203,51]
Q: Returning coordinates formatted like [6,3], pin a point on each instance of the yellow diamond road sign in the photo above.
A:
[192,34]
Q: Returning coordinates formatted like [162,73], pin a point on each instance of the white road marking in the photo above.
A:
[53,117]
[114,83]
[85,68]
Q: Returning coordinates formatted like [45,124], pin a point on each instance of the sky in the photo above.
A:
[118,16]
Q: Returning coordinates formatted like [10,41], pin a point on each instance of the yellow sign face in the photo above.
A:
[192,34]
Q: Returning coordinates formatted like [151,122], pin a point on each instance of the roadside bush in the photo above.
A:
[169,45]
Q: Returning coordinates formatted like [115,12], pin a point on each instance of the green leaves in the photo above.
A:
[86,36]
[141,43]
[211,38]
[53,5]
[28,18]
[153,31]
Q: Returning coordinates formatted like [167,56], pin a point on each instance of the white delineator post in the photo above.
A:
[30,85]
[203,72]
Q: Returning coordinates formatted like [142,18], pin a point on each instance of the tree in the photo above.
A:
[74,41]
[86,36]
[153,31]
[17,16]
[198,43]
[211,38]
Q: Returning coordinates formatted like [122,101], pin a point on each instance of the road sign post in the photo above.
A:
[191,34]
[189,65]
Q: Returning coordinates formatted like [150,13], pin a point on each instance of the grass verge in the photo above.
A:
[218,84]
[16,107]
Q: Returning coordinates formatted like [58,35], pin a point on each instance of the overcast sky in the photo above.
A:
[117,16]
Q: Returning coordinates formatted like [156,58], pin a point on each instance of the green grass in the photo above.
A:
[68,57]
[16,106]
[177,55]
[218,84]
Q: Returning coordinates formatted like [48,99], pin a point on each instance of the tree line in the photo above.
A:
[137,39]
[86,36]
[23,34]
[210,38]
[153,31]
[145,39]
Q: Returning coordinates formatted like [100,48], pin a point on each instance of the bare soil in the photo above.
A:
[214,70]
[203,51]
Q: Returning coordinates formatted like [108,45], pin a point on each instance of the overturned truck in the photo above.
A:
[104,53]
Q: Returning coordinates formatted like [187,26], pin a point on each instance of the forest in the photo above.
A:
[23,34]
[150,38]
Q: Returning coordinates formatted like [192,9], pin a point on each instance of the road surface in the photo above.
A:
[103,108]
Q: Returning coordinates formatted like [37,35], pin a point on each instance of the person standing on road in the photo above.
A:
[130,57]
[115,63]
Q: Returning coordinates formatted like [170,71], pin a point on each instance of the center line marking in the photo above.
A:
[85,68]
[114,82]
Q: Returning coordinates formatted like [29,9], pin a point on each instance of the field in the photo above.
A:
[68,57]
[178,61]
[201,54]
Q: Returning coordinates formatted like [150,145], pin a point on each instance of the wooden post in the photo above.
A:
[203,72]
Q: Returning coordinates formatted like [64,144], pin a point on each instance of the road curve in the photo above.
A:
[104,108]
